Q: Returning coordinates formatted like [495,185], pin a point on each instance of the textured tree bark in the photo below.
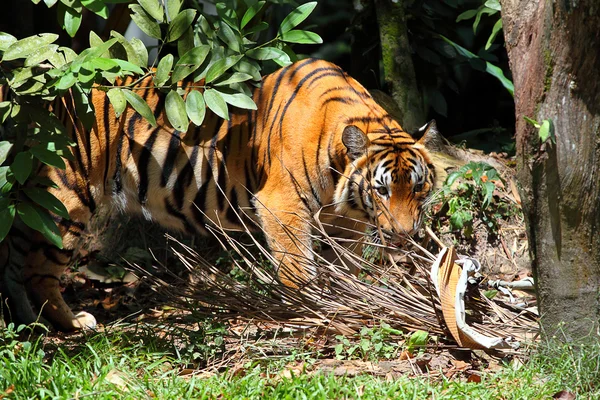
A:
[554,54]
[398,68]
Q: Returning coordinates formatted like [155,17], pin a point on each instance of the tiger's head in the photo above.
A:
[388,180]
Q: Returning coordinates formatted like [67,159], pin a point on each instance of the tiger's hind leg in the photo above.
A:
[42,272]
[15,302]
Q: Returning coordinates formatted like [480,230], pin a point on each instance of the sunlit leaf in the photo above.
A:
[497,27]
[190,62]
[296,17]
[145,22]
[96,6]
[239,100]
[163,70]
[173,7]
[234,78]
[27,46]
[6,39]
[301,37]
[176,111]
[180,24]
[140,106]
[118,100]
[195,107]
[69,19]
[215,102]
[251,12]
[154,8]
[220,66]
[5,147]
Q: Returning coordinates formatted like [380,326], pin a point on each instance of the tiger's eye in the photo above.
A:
[418,187]
[382,190]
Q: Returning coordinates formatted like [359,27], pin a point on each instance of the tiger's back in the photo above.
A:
[316,141]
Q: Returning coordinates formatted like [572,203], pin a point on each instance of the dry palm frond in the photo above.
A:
[400,294]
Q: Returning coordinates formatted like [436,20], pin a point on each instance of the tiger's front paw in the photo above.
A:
[84,320]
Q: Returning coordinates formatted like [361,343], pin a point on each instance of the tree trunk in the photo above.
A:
[554,54]
[398,68]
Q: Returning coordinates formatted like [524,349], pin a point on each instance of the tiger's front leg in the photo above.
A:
[287,227]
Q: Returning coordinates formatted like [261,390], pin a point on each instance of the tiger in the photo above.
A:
[317,141]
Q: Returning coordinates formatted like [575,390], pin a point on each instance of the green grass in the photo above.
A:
[140,365]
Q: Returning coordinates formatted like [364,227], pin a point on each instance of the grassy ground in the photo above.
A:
[138,365]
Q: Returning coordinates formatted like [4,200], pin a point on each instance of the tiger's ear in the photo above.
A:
[356,141]
[431,138]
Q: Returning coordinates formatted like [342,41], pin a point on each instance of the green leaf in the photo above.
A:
[418,339]
[467,15]
[163,70]
[69,19]
[140,106]
[227,35]
[7,216]
[195,107]
[251,12]
[50,3]
[132,55]
[489,67]
[83,107]
[545,130]
[96,6]
[5,110]
[220,66]
[235,78]
[180,24]
[249,67]
[38,219]
[154,8]
[261,26]
[5,147]
[532,122]
[118,100]
[296,17]
[48,201]
[493,4]
[301,37]
[482,10]
[239,100]
[66,81]
[176,112]
[173,7]
[186,42]
[142,52]
[227,15]
[41,54]
[46,153]
[128,66]
[265,53]
[148,25]
[22,166]
[190,62]
[6,39]
[216,103]
[488,190]
[27,46]
[104,64]
[497,27]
